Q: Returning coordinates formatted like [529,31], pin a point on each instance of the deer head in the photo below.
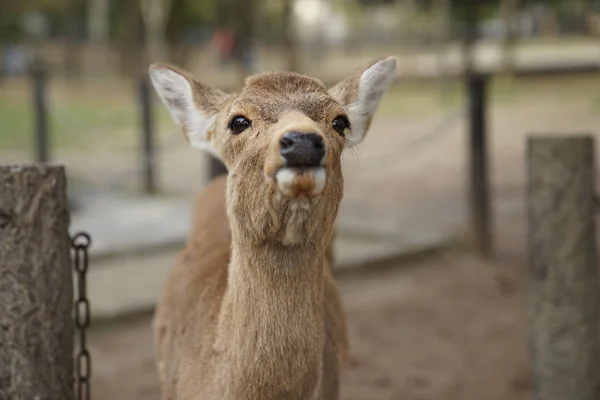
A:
[281,139]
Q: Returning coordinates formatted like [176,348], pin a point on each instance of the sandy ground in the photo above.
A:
[448,327]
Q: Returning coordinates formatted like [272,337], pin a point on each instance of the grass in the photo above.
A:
[16,125]
[83,117]
[104,114]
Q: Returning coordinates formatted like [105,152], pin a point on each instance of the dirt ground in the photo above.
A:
[448,327]
[451,327]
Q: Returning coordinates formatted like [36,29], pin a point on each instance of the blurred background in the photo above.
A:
[448,321]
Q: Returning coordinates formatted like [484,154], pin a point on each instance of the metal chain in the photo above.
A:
[80,244]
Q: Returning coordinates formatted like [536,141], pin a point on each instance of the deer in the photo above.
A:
[250,310]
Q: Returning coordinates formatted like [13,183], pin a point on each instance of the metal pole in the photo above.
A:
[41,112]
[148,148]
[565,296]
[479,181]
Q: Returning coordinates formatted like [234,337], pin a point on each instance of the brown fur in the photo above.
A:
[250,309]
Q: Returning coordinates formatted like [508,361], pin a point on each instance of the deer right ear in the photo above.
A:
[192,105]
[361,93]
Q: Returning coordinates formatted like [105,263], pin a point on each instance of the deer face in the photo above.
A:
[281,139]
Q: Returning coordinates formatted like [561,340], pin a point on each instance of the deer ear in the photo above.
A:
[193,106]
[361,93]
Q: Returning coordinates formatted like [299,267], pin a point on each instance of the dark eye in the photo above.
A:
[239,125]
[340,124]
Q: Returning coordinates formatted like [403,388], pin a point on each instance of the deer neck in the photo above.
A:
[271,326]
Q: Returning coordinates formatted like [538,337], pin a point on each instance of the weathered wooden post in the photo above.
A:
[36,284]
[565,296]
[479,187]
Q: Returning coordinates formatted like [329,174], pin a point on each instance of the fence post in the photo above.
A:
[36,284]
[38,75]
[565,296]
[478,165]
[148,146]
[215,168]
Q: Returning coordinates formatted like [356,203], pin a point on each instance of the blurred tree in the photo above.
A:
[367,3]
[129,36]
[464,19]
[187,17]
[290,40]
[581,13]
[470,16]
[183,14]
[354,15]
[161,28]
[570,15]
[155,16]
[45,6]
[442,14]
[240,17]
[72,29]
[98,20]
[510,10]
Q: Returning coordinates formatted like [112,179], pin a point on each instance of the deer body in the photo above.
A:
[250,310]
[197,309]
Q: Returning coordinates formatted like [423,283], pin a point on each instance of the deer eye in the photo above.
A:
[239,125]
[340,124]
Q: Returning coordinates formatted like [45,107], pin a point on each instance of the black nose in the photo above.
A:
[302,149]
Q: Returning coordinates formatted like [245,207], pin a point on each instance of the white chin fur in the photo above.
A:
[288,180]
[320,179]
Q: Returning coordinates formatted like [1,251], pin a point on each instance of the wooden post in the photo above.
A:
[38,76]
[479,181]
[148,146]
[36,284]
[565,296]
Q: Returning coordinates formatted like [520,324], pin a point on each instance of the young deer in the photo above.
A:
[251,310]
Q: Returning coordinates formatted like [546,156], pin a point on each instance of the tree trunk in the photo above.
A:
[442,12]
[244,49]
[290,48]
[132,56]
[469,39]
[36,284]
[98,22]
[72,48]
[178,51]
[155,15]
[509,11]
[584,12]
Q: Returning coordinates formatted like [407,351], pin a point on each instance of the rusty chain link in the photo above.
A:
[80,244]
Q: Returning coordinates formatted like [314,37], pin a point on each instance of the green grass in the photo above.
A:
[596,103]
[77,119]
[70,125]
[16,125]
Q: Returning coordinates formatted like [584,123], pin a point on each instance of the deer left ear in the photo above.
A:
[361,93]
[193,105]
